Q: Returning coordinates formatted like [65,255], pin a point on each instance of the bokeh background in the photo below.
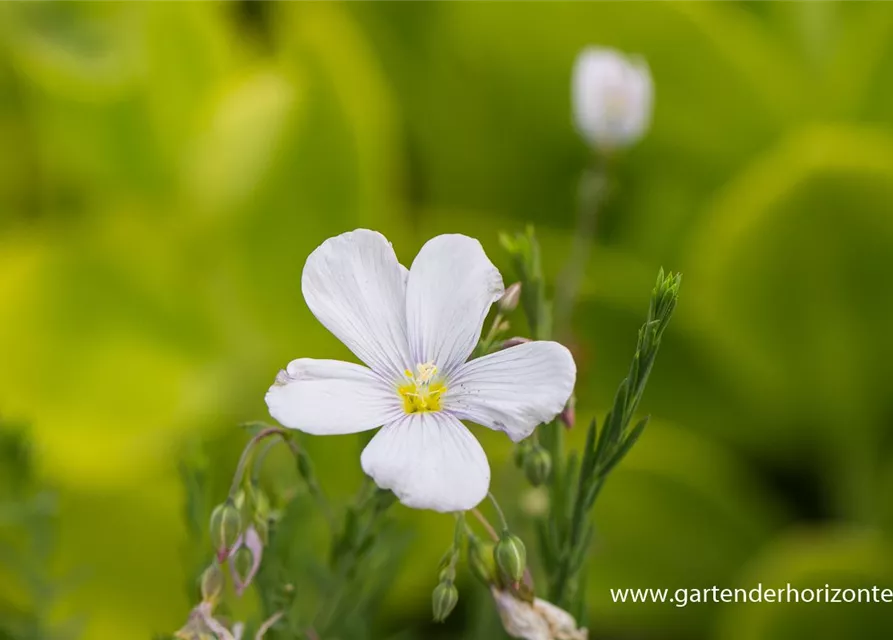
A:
[165,168]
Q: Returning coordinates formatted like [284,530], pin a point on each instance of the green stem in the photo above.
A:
[505,524]
[485,523]
[246,456]
[591,195]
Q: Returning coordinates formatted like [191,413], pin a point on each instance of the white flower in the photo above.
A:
[537,620]
[414,329]
[612,97]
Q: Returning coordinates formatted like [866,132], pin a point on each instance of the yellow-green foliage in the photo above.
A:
[165,168]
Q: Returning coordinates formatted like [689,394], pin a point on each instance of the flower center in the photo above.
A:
[421,393]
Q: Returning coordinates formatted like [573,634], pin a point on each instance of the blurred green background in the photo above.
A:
[165,168]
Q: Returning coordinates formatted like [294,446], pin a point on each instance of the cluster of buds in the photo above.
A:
[445,595]
[502,567]
[202,625]
[239,546]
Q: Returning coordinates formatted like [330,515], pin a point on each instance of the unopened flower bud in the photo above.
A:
[537,466]
[226,527]
[612,98]
[443,600]
[510,556]
[212,583]
[246,559]
[509,300]
[568,415]
[514,342]
[480,560]
[242,561]
[520,453]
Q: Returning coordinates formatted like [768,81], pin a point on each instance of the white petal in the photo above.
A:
[515,389]
[329,397]
[561,624]
[451,286]
[519,618]
[356,288]
[430,461]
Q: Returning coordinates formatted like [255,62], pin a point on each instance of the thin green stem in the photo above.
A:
[246,456]
[591,195]
[505,524]
[485,523]
[259,460]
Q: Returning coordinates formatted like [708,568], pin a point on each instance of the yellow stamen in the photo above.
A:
[421,394]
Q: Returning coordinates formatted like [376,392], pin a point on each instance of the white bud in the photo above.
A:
[612,98]
[509,300]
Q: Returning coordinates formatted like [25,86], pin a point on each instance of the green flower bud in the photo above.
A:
[226,527]
[510,556]
[537,466]
[443,600]
[520,453]
[243,560]
[212,583]
[480,560]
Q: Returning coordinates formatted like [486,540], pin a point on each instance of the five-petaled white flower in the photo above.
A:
[415,329]
[612,97]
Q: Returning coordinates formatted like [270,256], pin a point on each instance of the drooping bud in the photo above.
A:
[514,342]
[226,527]
[447,572]
[509,300]
[242,561]
[443,600]
[537,466]
[246,559]
[480,560]
[510,556]
[568,415]
[522,449]
[212,583]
